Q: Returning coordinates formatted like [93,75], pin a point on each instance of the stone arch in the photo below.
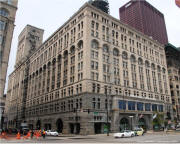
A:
[124,123]
[142,123]
[59,125]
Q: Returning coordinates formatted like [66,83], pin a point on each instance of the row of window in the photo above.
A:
[121,29]
[139,106]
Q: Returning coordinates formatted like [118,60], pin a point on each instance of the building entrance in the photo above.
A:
[124,124]
[142,123]
[97,128]
[38,124]
[59,125]
[74,128]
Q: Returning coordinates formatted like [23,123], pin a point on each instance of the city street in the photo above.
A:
[102,138]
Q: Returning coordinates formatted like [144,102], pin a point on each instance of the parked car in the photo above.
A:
[178,129]
[52,133]
[138,131]
[125,133]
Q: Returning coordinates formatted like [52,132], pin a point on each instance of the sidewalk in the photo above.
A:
[162,132]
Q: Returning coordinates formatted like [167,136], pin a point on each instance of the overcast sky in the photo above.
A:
[51,14]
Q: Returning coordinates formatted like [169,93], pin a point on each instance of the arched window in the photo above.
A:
[94,44]
[80,44]
[105,48]
[72,50]
[115,52]
[140,61]
[65,54]
[59,58]
[124,55]
[147,64]
[133,59]
[153,66]
[164,70]
[54,61]
[4,12]
[158,68]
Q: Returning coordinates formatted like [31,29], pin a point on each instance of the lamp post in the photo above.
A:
[76,119]
[107,114]
[131,117]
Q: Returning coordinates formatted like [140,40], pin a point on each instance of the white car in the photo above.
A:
[125,133]
[51,133]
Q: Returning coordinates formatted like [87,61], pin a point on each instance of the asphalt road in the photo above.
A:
[147,138]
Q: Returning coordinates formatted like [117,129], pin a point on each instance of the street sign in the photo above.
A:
[96,113]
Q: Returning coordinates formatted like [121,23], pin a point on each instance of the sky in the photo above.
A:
[51,14]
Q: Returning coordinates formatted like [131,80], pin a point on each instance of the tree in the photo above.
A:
[158,121]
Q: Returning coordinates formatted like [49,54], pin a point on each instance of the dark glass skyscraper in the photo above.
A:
[144,17]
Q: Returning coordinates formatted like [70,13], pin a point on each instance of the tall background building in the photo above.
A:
[7,18]
[173,64]
[144,17]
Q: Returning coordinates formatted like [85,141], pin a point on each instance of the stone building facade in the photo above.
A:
[7,17]
[93,65]
[173,65]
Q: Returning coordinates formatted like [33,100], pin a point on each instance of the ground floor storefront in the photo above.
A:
[94,114]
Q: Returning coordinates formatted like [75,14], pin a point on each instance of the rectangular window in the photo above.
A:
[154,107]
[122,104]
[147,107]
[140,106]
[2,25]
[160,108]
[1,39]
[131,105]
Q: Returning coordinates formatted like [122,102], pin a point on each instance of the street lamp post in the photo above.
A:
[131,117]
[107,114]
[76,119]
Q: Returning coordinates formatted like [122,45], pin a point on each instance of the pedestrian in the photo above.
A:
[32,134]
[44,134]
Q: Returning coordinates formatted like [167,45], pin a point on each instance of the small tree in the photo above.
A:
[158,120]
